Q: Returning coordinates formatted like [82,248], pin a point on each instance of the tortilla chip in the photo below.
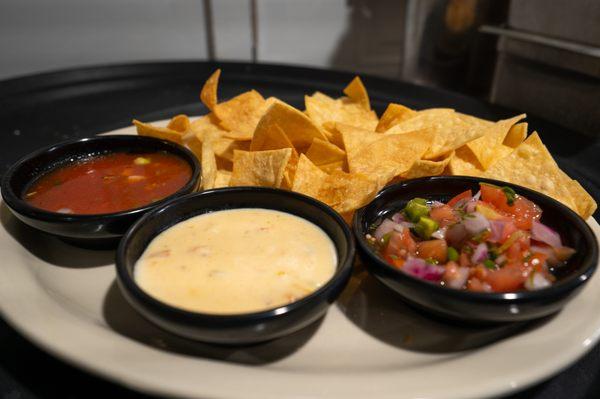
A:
[198,129]
[164,133]
[465,163]
[259,168]
[321,152]
[485,147]
[209,165]
[322,109]
[475,121]
[357,92]
[208,95]
[516,135]
[179,123]
[240,115]
[450,131]
[424,167]
[298,128]
[269,136]
[377,155]
[586,206]
[531,165]
[393,115]
[222,178]
[224,147]
[329,168]
[345,192]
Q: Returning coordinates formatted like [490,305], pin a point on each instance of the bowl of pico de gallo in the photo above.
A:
[475,249]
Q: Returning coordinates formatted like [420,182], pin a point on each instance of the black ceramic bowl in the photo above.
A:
[473,306]
[88,230]
[240,328]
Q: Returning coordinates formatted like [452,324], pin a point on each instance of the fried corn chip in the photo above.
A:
[465,163]
[164,133]
[259,168]
[377,155]
[516,135]
[474,121]
[357,92]
[179,123]
[322,152]
[222,179]
[329,168]
[209,164]
[485,147]
[424,167]
[322,109]
[208,94]
[240,115]
[298,128]
[269,136]
[536,169]
[345,192]
[450,131]
[393,115]
[198,129]
[586,206]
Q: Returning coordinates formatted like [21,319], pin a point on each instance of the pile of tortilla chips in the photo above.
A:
[338,151]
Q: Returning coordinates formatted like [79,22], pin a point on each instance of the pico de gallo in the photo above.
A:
[490,241]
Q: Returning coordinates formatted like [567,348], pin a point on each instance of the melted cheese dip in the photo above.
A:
[236,261]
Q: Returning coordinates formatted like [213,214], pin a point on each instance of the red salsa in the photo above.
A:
[109,183]
[492,241]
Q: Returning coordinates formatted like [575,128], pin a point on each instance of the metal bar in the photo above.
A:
[254,29]
[210,30]
[573,47]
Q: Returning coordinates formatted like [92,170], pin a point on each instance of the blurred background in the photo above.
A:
[539,56]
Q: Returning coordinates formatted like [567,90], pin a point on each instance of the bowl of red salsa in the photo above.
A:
[89,191]
[476,249]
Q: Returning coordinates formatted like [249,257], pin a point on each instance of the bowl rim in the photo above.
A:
[560,287]
[19,205]
[343,266]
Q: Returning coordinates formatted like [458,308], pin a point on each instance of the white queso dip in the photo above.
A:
[236,261]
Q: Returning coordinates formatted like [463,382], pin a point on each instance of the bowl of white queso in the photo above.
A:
[235,266]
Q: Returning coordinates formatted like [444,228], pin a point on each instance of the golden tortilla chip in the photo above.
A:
[485,147]
[321,152]
[516,135]
[329,168]
[164,133]
[322,109]
[241,114]
[224,147]
[209,165]
[222,178]
[424,167]
[383,157]
[298,128]
[199,128]
[394,114]
[179,123]
[475,121]
[269,136]
[208,95]
[464,163]
[259,168]
[586,206]
[345,192]
[357,92]
[450,131]
[531,165]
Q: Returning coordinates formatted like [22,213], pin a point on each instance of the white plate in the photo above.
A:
[370,344]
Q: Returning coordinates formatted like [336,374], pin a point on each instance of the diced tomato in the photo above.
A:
[433,249]
[474,284]
[507,231]
[465,195]
[464,260]
[508,278]
[537,261]
[523,211]
[443,215]
[394,261]
[400,245]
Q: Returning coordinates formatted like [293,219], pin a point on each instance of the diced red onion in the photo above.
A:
[477,196]
[537,281]
[437,204]
[458,279]
[563,253]
[480,254]
[407,225]
[440,233]
[543,233]
[501,259]
[398,217]
[419,268]
[456,234]
[496,230]
[470,207]
[387,226]
[475,223]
